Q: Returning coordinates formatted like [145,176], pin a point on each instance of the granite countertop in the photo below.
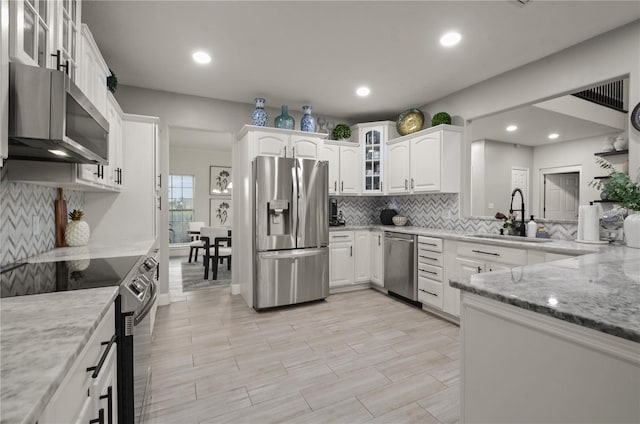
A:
[41,337]
[599,289]
[96,250]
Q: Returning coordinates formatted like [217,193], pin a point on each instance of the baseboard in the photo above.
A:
[350,287]
[163,299]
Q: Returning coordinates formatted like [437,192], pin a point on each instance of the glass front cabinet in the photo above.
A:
[372,137]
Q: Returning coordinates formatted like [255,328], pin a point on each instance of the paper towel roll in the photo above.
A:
[589,223]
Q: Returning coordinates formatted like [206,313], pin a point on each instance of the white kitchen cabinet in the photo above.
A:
[377,258]
[266,141]
[350,176]
[92,71]
[341,259]
[430,271]
[66,35]
[331,154]
[372,137]
[362,247]
[114,171]
[4,79]
[427,161]
[77,399]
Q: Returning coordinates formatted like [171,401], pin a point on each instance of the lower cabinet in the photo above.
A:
[351,258]
[88,393]
[341,259]
[362,256]
[377,258]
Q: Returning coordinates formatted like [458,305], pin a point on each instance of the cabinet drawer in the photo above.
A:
[429,257]
[500,254]
[430,243]
[430,292]
[430,271]
[340,236]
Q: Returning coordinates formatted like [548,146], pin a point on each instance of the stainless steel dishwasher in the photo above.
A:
[400,265]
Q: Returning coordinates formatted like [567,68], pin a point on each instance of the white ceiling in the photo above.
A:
[318,52]
[200,139]
[534,126]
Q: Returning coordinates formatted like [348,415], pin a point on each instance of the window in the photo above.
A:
[180,207]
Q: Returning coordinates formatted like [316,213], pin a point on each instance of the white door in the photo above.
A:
[561,193]
[304,147]
[397,171]
[362,256]
[425,163]
[341,264]
[269,144]
[520,179]
[377,259]
[332,155]
[350,170]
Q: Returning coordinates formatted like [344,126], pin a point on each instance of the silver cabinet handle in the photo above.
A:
[486,253]
[428,292]
[406,184]
[350,250]
[342,186]
[427,257]
[429,272]
[293,154]
[339,236]
[335,185]
[378,240]
[399,239]
[412,184]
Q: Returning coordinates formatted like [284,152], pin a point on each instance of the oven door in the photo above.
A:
[142,354]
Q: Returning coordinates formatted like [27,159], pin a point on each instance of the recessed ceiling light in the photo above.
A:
[58,152]
[450,39]
[201,57]
[553,136]
[363,91]
[512,128]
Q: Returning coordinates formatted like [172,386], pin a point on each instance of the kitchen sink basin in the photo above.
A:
[511,238]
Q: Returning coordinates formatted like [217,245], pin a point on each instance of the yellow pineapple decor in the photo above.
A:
[77,231]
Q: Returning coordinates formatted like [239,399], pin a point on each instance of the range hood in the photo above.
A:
[50,119]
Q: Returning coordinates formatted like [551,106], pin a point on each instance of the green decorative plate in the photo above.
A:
[410,121]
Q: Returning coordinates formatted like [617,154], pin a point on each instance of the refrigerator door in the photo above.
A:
[287,277]
[275,184]
[313,198]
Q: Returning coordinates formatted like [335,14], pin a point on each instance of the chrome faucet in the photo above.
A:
[523,228]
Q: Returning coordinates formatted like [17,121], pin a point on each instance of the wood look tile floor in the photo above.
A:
[356,357]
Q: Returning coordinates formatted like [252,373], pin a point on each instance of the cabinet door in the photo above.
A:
[397,174]
[4,78]
[350,170]
[304,147]
[331,154]
[269,144]
[362,256]
[67,35]
[90,173]
[463,269]
[493,266]
[371,141]
[31,27]
[425,162]
[377,259]
[341,264]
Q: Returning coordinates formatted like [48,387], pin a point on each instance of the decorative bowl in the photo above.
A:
[399,220]
[410,121]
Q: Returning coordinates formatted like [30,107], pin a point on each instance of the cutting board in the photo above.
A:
[61,218]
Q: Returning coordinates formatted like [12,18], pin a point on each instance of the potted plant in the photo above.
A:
[510,222]
[341,132]
[441,118]
[619,187]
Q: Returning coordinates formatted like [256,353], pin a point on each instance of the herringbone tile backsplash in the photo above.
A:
[20,204]
[433,211]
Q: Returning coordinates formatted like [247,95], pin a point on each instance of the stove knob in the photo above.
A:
[149,264]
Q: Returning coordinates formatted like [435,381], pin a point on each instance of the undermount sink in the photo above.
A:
[511,238]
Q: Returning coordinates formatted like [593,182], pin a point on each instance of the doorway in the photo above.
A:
[561,194]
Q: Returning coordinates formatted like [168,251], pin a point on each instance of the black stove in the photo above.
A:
[47,277]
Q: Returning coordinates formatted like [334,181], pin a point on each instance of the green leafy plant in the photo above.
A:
[341,131]
[618,186]
[112,82]
[441,118]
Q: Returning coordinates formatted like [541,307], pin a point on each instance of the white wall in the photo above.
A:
[611,55]
[196,162]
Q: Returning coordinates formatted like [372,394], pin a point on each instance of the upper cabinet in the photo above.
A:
[427,161]
[41,29]
[372,137]
[92,71]
[344,172]
[265,141]
[4,78]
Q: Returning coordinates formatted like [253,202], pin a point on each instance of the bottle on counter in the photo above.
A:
[532,228]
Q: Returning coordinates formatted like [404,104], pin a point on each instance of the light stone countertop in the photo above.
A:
[600,289]
[41,337]
[96,250]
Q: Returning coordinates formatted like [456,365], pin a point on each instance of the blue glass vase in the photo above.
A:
[284,120]
[307,123]
[259,116]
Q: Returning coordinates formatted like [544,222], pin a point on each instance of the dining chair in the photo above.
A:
[217,246]
[193,230]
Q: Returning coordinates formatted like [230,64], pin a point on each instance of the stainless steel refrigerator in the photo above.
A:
[291,231]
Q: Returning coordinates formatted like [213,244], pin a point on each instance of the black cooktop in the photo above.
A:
[47,277]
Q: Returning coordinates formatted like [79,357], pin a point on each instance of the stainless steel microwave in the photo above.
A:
[50,119]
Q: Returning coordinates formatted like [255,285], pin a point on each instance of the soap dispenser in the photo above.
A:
[532,228]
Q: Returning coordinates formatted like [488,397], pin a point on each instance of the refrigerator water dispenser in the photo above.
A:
[278,222]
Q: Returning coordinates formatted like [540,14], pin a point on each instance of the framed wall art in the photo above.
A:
[220,181]
[220,213]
